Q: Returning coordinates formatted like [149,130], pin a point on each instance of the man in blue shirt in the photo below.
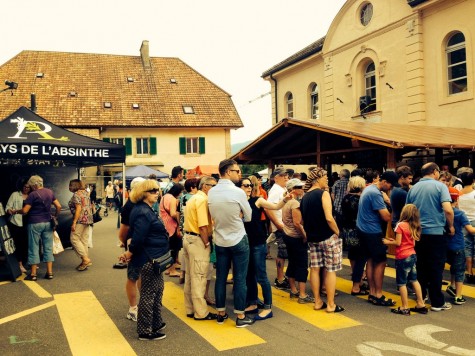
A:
[433,200]
[372,211]
[228,207]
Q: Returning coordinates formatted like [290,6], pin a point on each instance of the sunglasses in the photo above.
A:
[152,191]
[236,170]
[247,185]
[210,185]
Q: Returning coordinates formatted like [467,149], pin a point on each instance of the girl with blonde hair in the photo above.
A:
[408,230]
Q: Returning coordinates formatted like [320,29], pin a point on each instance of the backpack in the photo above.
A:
[118,199]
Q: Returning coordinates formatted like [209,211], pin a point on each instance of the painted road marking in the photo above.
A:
[319,318]
[84,318]
[13,340]
[26,312]
[36,288]
[222,337]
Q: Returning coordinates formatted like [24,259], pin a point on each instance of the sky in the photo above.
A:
[229,42]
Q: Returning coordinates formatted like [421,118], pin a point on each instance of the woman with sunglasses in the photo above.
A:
[149,241]
[257,236]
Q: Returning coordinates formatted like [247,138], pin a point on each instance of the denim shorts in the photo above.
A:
[406,270]
[133,273]
[456,260]
[469,241]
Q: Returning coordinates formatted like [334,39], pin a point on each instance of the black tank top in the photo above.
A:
[254,228]
[314,221]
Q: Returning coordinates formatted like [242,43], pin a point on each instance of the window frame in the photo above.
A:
[371,89]
[289,105]
[314,102]
[147,146]
[449,50]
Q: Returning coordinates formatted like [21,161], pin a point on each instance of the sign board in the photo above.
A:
[10,268]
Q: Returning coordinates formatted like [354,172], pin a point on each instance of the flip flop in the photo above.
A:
[324,306]
[174,275]
[338,309]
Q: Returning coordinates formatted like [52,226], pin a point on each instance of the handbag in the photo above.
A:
[162,263]
[96,217]
[57,245]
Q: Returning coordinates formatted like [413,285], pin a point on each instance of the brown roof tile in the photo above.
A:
[99,78]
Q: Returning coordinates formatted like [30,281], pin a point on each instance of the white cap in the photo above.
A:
[136,181]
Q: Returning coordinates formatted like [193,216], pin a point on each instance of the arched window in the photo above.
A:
[290,105]
[314,111]
[370,86]
[456,63]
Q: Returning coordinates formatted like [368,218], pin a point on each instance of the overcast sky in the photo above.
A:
[230,42]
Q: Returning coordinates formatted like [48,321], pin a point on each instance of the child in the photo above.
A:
[407,230]
[456,250]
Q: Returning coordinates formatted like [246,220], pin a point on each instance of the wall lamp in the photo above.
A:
[389,85]
[10,86]
[341,101]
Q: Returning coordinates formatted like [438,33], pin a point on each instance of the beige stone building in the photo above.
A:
[161,109]
[397,74]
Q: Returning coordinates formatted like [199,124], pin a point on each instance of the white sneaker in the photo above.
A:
[446,306]
[132,314]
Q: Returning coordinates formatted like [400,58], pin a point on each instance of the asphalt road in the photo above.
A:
[83,313]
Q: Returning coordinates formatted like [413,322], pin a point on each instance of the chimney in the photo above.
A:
[144,53]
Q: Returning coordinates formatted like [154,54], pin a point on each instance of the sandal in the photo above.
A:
[338,309]
[210,301]
[82,267]
[371,298]
[400,311]
[383,301]
[49,275]
[30,277]
[324,306]
[360,292]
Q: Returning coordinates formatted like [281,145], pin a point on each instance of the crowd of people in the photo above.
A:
[226,223]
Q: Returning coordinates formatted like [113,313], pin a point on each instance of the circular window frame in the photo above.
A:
[365,17]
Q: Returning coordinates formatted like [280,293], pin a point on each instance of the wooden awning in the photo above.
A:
[301,142]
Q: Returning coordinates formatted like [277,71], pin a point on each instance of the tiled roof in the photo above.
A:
[99,78]
[311,49]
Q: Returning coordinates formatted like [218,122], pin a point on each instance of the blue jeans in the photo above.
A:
[406,270]
[239,256]
[257,273]
[36,232]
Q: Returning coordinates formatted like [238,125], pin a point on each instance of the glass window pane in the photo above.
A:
[457,56]
[455,39]
[458,86]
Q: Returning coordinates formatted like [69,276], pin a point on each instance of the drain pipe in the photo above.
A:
[275,98]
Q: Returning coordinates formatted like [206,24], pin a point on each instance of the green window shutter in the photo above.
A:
[201,145]
[183,145]
[153,145]
[106,139]
[128,146]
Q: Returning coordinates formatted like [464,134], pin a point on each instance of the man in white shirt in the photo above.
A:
[276,194]
[228,207]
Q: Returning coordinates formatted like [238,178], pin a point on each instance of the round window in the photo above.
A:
[366,13]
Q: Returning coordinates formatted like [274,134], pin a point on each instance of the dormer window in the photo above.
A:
[107,105]
[187,109]
[40,75]
[135,106]
[73,94]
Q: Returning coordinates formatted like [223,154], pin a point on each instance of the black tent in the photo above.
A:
[26,138]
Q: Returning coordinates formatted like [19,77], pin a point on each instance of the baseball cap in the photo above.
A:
[294,182]
[257,175]
[136,181]
[454,194]
[390,177]
[279,172]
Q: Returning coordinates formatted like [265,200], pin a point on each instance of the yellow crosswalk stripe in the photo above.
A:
[26,312]
[221,337]
[36,288]
[77,311]
[318,318]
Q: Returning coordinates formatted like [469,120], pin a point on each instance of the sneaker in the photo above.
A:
[306,299]
[284,285]
[132,314]
[451,291]
[244,322]
[294,295]
[162,327]
[221,318]
[459,300]
[154,336]
[445,306]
